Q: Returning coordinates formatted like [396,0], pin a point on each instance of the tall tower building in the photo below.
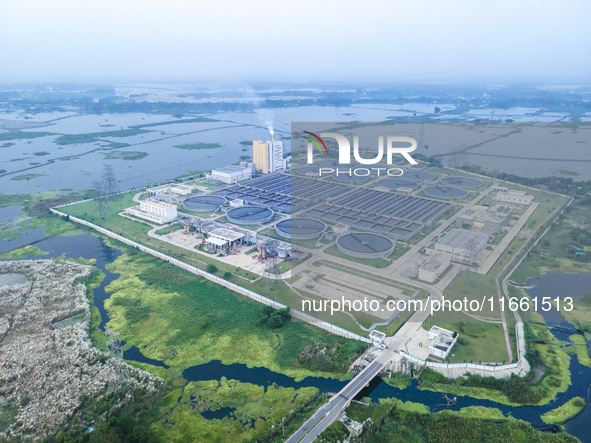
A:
[268,156]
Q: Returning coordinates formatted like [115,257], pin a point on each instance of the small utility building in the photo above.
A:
[434,266]
[154,211]
[486,219]
[442,341]
[222,239]
[463,245]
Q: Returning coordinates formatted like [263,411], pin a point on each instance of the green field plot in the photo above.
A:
[252,410]
[195,146]
[185,320]
[76,139]
[125,155]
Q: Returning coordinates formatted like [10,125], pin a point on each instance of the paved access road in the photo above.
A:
[329,412]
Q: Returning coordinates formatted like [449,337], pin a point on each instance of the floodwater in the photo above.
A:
[76,166]
[88,247]
[12,279]
[10,217]
[557,284]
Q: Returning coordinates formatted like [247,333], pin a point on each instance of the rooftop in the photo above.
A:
[229,169]
[444,338]
[217,241]
[496,213]
[158,203]
[227,234]
[434,262]
[443,341]
[462,238]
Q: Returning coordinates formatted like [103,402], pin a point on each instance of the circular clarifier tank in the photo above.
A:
[249,215]
[461,182]
[343,175]
[365,245]
[417,175]
[445,192]
[204,203]
[396,183]
[300,228]
[305,169]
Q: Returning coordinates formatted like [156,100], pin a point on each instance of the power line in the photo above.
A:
[100,203]
[109,182]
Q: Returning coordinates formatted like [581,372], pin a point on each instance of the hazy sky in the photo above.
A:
[297,40]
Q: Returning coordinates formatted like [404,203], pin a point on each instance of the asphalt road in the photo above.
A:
[329,412]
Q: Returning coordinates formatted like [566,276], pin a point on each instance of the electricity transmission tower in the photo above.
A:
[271,274]
[458,157]
[109,180]
[471,279]
[100,202]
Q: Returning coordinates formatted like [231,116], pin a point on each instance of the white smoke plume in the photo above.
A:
[265,115]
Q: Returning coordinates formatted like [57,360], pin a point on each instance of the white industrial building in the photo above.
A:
[223,238]
[512,196]
[434,266]
[230,174]
[154,210]
[442,341]
[170,189]
[464,246]
[377,338]
[486,219]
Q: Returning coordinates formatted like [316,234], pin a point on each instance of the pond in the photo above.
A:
[88,247]
[557,284]
[12,279]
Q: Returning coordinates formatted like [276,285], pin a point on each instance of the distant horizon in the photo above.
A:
[229,41]
[303,83]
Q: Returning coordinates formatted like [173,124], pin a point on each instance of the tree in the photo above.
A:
[211,268]
[275,321]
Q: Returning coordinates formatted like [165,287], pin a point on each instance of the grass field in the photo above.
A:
[580,344]
[550,354]
[563,412]
[21,135]
[27,251]
[195,146]
[30,176]
[168,229]
[173,122]
[124,155]
[75,139]
[186,320]
[551,253]
[413,422]
[252,410]
[478,341]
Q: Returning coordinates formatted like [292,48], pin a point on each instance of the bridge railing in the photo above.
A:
[479,367]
